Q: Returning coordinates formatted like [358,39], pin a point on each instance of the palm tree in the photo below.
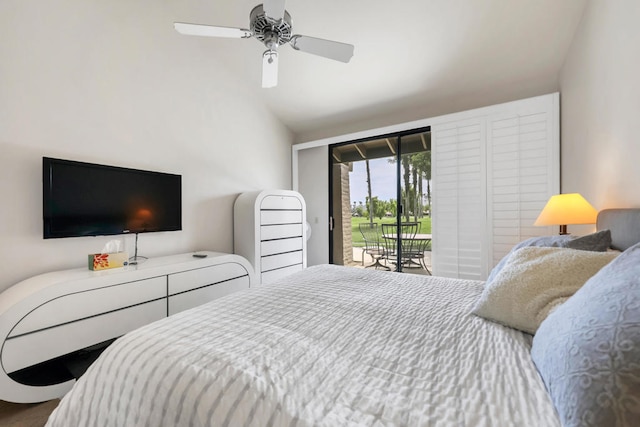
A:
[370,199]
[415,196]
[406,168]
[422,163]
[412,170]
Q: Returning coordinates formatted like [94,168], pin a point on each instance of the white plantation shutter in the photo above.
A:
[493,171]
[458,198]
[523,173]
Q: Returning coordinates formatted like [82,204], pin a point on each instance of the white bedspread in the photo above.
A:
[329,346]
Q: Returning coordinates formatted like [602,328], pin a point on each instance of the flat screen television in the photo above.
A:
[86,199]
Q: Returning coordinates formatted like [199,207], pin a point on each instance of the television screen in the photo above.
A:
[85,199]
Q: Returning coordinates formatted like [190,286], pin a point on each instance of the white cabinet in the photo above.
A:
[269,230]
[48,319]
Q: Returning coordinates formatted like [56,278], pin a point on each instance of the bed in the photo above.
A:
[331,346]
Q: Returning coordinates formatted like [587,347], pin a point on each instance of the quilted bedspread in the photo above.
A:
[329,346]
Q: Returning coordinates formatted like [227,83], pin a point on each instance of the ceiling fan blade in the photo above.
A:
[270,69]
[211,31]
[329,49]
[274,9]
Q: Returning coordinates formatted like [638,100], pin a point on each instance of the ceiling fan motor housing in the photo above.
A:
[271,32]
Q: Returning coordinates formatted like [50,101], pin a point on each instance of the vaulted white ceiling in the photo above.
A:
[413,58]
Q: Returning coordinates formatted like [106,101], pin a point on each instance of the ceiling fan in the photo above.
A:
[270,23]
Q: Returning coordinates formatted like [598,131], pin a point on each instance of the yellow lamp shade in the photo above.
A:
[563,209]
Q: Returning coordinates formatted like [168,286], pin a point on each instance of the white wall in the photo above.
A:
[600,106]
[113,83]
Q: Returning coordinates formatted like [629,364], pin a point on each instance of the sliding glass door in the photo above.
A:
[380,202]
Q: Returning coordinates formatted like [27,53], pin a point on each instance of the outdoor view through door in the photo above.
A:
[370,228]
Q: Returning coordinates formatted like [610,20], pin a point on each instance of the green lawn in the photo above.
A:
[358,241]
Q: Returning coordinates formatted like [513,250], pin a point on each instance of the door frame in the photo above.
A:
[397,135]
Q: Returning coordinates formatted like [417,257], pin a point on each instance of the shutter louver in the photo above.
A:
[458,199]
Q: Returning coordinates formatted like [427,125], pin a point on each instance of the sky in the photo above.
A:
[383,180]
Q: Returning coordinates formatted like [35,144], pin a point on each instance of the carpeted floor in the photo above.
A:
[26,414]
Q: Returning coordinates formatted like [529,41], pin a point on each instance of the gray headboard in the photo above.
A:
[624,225]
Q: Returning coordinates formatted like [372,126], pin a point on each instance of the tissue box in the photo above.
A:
[105,261]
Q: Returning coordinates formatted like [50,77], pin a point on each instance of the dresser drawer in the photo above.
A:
[281,202]
[196,297]
[270,232]
[80,305]
[30,349]
[273,275]
[193,279]
[282,260]
[279,246]
[280,217]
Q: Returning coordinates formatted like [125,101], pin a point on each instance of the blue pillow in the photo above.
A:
[588,350]
[599,241]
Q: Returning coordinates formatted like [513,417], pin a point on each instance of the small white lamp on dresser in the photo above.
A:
[269,231]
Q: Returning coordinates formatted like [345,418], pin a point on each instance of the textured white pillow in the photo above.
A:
[535,280]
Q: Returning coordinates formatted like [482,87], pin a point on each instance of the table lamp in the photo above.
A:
[563,209]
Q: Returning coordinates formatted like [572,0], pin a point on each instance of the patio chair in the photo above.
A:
[421,246]
[408,231]
[372,244]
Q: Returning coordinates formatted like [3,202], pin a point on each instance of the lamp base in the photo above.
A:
[136,259]
[563,229]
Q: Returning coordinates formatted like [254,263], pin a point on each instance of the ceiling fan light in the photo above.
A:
[269,69]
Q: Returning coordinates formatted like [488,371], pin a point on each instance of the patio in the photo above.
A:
[368,260]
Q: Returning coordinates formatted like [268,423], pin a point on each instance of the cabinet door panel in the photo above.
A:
[187,300]
[27,350]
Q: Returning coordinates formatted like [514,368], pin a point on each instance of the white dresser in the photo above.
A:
[269,230]
[48,320]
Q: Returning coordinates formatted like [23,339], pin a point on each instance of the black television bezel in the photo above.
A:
[48,162]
